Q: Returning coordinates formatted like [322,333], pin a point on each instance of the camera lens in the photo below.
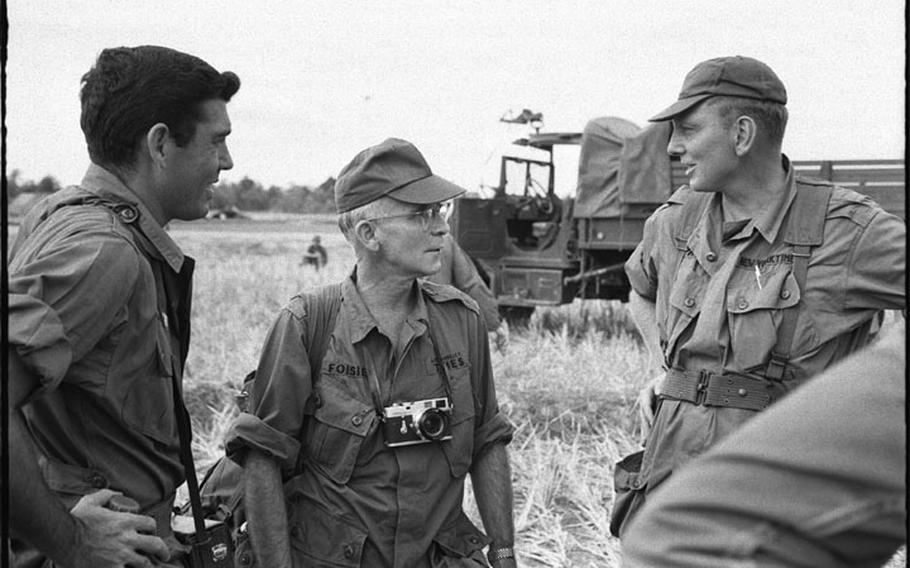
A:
[432,424]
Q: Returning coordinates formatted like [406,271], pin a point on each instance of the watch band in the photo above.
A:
[496,554]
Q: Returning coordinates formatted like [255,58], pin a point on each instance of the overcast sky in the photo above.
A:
[323,80]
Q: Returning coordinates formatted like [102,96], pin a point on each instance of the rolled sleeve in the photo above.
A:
[641,264]
[280,392]
[39,338]
[491,425]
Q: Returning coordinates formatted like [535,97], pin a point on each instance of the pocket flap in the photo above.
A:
[775,290]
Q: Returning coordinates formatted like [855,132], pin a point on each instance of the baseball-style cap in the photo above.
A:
[735,76]
[393,168]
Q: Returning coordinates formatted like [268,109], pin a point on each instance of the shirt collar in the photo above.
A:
[361,321]
[103,183]
[770,219]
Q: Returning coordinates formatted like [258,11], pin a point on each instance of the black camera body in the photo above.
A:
[417,422]
[214,548]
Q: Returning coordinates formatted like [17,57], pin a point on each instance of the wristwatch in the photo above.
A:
[496,554]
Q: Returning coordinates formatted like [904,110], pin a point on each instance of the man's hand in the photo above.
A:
[111,539]
[647,404]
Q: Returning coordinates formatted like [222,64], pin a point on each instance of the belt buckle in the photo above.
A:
[701,388]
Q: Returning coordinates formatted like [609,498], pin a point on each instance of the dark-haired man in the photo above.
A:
[748,281]
[99,314]
[360,458]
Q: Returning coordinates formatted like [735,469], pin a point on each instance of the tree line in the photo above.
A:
[245,195]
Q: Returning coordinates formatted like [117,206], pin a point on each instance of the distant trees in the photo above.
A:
[246,195]
[15,186]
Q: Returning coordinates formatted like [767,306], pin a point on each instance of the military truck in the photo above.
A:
[537,248]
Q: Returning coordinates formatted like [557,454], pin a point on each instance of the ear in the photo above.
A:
[745,132]
[156,141]
[365,233]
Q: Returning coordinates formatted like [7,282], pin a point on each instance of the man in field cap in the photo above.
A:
[360,459]
[749,280]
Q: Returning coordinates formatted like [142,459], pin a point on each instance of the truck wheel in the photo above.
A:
[516,316]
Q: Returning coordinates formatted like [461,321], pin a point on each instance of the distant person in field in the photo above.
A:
[315,254]
[360,459]
[458,270]
[749,280]
[819,479]
[99,314]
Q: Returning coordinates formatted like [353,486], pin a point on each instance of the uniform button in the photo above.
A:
[98,482]
[357,420]
[785,294]
[743,304]
[348,551]
[742,392]
[295,531]
[473,540]
[689,302]
[128,213]
[711,257]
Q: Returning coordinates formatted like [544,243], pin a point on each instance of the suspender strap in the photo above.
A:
[805,229]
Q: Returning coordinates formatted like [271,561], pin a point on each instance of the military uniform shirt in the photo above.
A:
[720,291]
[84,317]
[361,503]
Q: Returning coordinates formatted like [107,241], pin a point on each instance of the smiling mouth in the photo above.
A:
[690,169]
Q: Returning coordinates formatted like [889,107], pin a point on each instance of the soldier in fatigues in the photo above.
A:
[100,311]
[748,281]
[820,479]
[335,473]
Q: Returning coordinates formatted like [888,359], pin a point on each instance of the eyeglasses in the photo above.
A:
[425,215]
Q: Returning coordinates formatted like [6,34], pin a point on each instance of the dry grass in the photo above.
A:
[568,382]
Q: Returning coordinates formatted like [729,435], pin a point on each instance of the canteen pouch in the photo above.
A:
[628,495]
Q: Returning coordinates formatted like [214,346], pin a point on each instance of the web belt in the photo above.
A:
[720,389]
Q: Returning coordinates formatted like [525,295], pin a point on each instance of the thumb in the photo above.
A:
[98,498]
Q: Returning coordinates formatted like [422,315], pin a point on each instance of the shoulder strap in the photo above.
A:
[322,305]
[805,226]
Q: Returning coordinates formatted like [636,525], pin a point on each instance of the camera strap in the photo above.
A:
[186,456]
[373,377]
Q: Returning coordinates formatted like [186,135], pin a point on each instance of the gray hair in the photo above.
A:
[349,219]
[770,116]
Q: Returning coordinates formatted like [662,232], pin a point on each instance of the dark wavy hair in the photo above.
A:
[130,89]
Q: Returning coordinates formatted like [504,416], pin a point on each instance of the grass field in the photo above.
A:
[568,382]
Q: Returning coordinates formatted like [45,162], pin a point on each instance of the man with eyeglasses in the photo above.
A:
[362,460]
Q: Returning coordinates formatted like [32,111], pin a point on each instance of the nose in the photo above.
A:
[225,162]
[674,146]
[438,225]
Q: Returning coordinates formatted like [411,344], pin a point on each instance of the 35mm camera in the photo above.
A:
[418,422]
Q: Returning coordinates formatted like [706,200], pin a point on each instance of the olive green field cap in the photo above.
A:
[393,168]
[735,76]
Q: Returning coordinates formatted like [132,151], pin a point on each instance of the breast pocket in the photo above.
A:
[148,405]
[756,303]
[459,451]
[339,424]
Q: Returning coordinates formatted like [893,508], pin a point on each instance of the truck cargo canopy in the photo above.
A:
[620,164]
[597,194]
[644,170]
